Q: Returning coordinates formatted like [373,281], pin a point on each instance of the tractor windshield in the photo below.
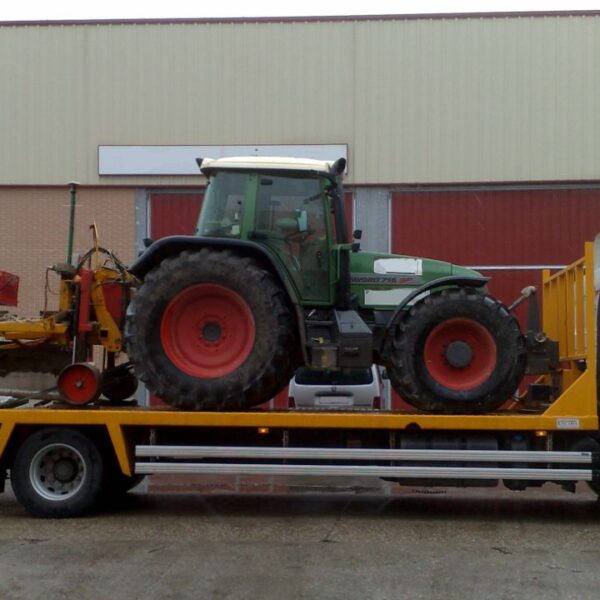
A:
[221,214]
[288,214]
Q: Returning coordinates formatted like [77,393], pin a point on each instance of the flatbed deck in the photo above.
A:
[551,419]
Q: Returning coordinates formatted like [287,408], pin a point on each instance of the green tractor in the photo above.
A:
[270,282]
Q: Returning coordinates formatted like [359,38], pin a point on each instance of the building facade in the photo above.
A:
[471,138]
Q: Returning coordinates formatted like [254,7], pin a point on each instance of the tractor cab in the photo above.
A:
[285,205]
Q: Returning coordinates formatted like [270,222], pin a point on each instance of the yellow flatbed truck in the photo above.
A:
[64,460]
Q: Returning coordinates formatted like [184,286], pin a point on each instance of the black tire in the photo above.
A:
[57,473]
[119,384]
[476,372]
[158,325]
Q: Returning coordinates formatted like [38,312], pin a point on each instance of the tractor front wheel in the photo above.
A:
[457,352]
[211,330]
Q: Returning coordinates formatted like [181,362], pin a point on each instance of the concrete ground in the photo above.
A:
[351,544]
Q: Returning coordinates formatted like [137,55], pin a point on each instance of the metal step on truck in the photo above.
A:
[65,459]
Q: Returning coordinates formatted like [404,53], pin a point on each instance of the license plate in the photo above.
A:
[334,401]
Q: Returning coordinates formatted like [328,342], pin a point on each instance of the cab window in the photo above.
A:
[222,210]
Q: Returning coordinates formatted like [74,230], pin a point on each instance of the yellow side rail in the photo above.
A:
[569,317]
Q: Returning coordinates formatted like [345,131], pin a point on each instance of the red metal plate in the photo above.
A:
[9,288]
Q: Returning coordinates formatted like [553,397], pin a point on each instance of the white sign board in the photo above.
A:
[181,160]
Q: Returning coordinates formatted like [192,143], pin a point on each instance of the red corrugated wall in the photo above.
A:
[497,227]
[505,228]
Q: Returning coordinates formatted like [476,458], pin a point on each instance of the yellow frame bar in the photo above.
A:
[117,421]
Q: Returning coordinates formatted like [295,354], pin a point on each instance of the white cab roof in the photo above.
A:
[265,163]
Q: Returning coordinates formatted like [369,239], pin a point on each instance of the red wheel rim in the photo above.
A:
[79,383]
[475,345]
[207,331]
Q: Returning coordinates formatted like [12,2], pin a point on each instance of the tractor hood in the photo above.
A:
[382,281]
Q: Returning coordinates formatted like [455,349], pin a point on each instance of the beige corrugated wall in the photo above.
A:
[34,231]
[431,100]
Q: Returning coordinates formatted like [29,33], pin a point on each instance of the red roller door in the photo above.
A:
[174,213]
[502,228]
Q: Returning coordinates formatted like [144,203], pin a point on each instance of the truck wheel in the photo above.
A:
[211,330]
[457,352]
[57,473]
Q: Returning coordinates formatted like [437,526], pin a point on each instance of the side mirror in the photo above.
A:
[357,234]
[338,167]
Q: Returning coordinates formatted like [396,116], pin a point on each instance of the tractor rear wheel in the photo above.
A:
[457,352]
[211,330]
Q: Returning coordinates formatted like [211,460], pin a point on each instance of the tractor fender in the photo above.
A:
[451,281]
[170,245]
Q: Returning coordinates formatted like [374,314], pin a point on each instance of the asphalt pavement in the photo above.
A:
[441,544]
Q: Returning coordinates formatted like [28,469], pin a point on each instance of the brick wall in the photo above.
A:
[33,235]
[34,231]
